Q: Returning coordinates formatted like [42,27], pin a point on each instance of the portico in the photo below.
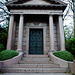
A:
[48,21]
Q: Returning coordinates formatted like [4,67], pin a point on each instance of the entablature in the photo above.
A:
[47,12]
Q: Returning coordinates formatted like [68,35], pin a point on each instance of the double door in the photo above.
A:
[36,41]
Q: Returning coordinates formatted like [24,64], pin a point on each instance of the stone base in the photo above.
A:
[63,50]
[53,50]
[19,50]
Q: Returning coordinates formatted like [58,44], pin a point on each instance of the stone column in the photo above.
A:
[10,33]
[61,31]
[51,31]
[20,34]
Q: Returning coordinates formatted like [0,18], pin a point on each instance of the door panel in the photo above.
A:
[36,41]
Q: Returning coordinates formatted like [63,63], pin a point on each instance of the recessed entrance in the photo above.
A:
[36,41]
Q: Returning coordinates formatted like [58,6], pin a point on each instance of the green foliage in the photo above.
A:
[70,45]
[65,55]
[1,47]
[3,38]
[69,40]
[3,34]
[68,31]
[7,54]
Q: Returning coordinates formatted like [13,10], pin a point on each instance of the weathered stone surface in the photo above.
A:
[34,11]
[10,33]
[20,34]
[35,63]
[35,66]
[61,31]
[38,70]
[25,31]
[33,2]
[74,67]
[36,74]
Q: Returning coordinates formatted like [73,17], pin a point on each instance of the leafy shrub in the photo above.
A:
[3,36]
[70,45]
[65,55]
[1,47]
[7,54]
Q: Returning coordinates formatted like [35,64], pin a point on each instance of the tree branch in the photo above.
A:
[2,20]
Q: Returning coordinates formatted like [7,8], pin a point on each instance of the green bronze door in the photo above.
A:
[36,41]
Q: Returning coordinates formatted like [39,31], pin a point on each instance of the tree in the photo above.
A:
[4,34]
[4,16]
[71,5]
[4,13]
[74,14]
[68,31]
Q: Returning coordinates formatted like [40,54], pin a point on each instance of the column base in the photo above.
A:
[19,50]
[63,50]
[52,50]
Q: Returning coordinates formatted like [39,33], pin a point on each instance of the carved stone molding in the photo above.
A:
[36,24]
[53,12]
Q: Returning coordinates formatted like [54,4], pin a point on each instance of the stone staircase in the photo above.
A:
[36,64]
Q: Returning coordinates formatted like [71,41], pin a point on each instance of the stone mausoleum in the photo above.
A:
[36,26]
[36,31]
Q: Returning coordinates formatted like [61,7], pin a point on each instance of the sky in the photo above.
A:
[69,19]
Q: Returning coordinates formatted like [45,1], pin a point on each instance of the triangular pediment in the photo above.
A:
[37,2]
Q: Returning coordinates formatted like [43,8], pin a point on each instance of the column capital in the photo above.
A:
[11,14]
[61,15]
[50,14]
[21,14]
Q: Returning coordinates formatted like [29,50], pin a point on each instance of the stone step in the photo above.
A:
[35,62]
[36,59]
[35,70]
[35,66]
[36,56]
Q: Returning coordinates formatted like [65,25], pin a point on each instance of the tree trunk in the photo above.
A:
[74,15]
[74,26]
[74,21]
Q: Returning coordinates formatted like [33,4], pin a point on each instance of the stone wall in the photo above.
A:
[55,38]
[47,38]
[74,67]
[16,36]
[37,24]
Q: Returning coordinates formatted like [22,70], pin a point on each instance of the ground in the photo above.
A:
[35,74]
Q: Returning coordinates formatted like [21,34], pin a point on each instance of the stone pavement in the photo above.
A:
[35,74]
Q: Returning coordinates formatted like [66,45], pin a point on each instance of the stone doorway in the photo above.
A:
[36,41]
